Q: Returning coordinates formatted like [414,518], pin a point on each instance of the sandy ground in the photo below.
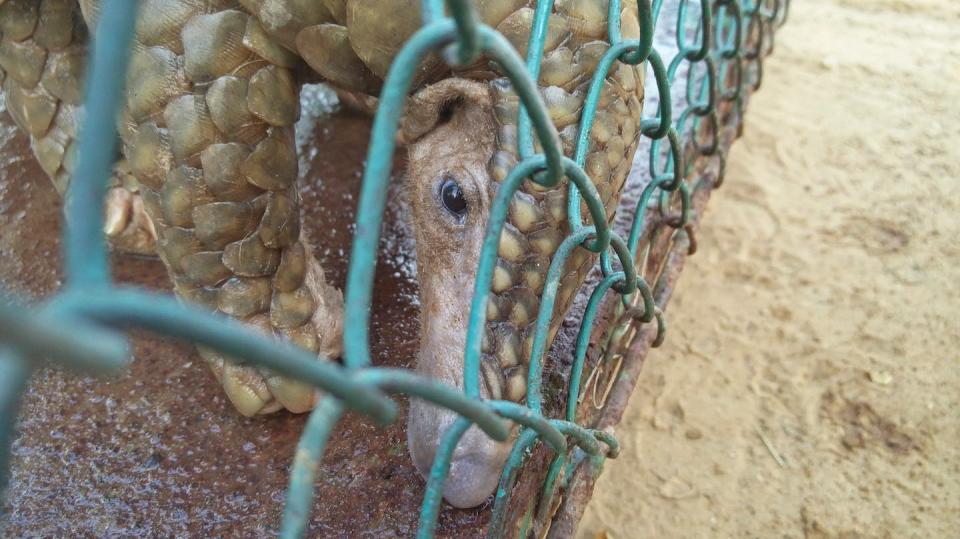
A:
[810,386]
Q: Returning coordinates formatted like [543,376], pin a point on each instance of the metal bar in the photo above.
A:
[85,249]
[163,314]
[14,373]
[67,341]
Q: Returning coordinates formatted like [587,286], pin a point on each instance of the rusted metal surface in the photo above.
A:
[668,260]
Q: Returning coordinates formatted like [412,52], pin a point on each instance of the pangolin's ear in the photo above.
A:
[437,104]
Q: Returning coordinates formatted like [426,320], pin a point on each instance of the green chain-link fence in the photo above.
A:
[719,47]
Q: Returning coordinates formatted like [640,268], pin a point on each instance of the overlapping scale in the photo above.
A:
[208,131]
[43,46]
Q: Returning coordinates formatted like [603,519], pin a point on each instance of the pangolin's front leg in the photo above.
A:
[43,47]
[208,132]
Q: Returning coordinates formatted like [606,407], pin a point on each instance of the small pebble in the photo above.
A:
[677,489]
[883,378]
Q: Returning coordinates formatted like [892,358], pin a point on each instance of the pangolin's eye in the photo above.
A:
[451,196]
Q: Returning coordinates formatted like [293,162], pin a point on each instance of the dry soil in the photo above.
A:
[810,386]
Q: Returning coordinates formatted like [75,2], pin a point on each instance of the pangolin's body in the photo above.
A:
[207,133]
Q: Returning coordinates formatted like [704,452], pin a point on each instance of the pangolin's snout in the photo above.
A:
[477,461]
[450,228]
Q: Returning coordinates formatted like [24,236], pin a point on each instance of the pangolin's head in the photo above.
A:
[450,188]
[461,133]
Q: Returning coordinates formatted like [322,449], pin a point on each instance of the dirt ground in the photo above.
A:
[811,383]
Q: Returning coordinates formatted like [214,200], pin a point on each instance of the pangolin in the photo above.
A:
[210,166]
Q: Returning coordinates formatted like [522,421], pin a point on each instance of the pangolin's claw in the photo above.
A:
[254,391]
[127,224]
[295,396]
[247,390]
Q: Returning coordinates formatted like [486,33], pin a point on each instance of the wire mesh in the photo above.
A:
[719,44]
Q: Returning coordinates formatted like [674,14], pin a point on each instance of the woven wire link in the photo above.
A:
[720,42]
